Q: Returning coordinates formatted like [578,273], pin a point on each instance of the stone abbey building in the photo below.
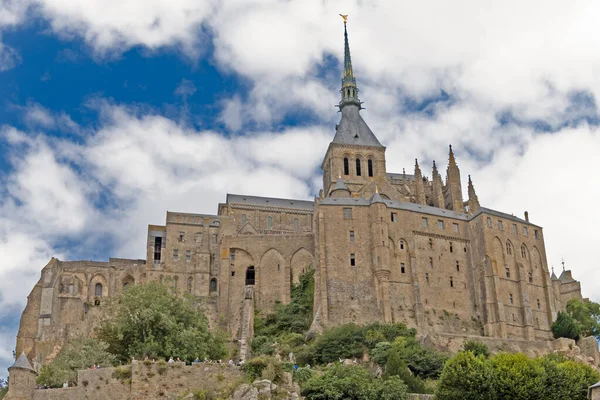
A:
[385,247]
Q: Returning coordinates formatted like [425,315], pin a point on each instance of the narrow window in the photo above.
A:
[500,226]
[440,224]
[510,298]
[198,237]
[244,219]
[427,278]
[402,245]
[370,167]
[513,317]
[190,283]
[357,167]
[188,255]
[346,166]
[278,267]
[402,269]
[430,244]
[455,227]
[508,248]
[489,222]
[451,248]
[536,234]
[181,236]
[98,290]
[465,249]
[515,229]
[296,225]
[351,236]
[347,213]
[530,277]
[175,254]
[232,273]
[269,222]
[394,217]
[525,233]
[539,304]
[430,262]
[250,275]
[457,266]
[352,260]
[451,282]
[424,222]
[523,252]
[232,255]
[507,270]
[157,249]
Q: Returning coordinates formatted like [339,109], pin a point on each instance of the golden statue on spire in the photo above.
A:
[344,17]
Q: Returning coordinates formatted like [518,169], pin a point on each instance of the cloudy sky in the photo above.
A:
[114,111]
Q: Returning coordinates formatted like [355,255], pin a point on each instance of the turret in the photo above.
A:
[419,189]
[473,200]
[340,189]
[381,253]
[453,185]
[438,185]
[21,382]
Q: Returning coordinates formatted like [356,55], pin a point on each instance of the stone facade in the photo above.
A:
[388,247]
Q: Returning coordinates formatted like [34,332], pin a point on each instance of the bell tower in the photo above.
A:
[354,154]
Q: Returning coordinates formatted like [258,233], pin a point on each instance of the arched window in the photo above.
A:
[370,167]
[402,245]
[250,275]
[346,166]
[523,252]
[508,248]
[213,285]
[357,167]
[98,290]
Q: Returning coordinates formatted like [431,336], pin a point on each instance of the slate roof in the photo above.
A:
[340,185]
[503,215]
[22,362]
[353,130]
[269,201]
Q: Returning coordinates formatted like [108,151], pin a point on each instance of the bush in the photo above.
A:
[352,383]
[565,326]
[301,375]
[255,367]
[423,361]
[466,377]
[476,347]
[344,341]
[395,366]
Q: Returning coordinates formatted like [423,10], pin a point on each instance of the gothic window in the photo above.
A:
[98,290]
[351,236]
[424,222]
[451,248]
[402,245]
[510,298]
[213,285]
[523,252]
[175,254]
[507,272]
[358,167]
[250,275]
[244,219]
[346,166]
[402,268]
[370,167]
[296,225]
[508,248]
[269,222]
[188,255]
[451,282]
[352,260]
[347,213]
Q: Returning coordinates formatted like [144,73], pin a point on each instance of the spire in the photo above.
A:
[22,362]
[453,185]
[419,189]
[452,161]
[553,276]
[473,199]
[438,185]
[352,129]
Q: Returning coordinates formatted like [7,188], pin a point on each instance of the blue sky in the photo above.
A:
[113,112]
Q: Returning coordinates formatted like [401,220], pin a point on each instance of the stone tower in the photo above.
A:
[21,381]
[355,154]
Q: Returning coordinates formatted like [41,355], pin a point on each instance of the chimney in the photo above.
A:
[527,216]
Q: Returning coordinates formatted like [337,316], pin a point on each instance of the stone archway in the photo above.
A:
[302,262]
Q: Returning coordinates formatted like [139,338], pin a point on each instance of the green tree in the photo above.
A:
[395,366]
[517,377]
[476,347]
[3,387]
[565,326]
[566,379]
[150,320]
[587,316]
[466,377]
[352,383]
[344,341]
[423,361]
[80,353]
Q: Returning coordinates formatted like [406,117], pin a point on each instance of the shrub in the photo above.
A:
[122,373]
[565,326]
[466,377]
[254,367]
[476,347]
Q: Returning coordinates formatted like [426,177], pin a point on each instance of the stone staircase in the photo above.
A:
[247,331]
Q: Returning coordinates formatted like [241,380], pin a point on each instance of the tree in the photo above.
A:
[3,387]
[586,315]
[80,353]
[395,366]
[150,320]
[565,326]
[352,383]
[476,347]
[466,377]
[566,379]
[517,377]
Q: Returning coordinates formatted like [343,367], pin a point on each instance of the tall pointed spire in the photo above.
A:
[419,188]
[453,185]
[438,185]
[349,90]
[473,199]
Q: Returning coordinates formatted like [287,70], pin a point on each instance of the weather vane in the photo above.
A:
[344,17]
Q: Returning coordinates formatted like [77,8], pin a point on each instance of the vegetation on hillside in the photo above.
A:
[3,387]
[581,319]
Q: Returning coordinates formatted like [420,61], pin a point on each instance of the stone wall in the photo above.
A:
[147,381]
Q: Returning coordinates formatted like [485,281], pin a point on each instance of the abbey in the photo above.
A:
[388,247]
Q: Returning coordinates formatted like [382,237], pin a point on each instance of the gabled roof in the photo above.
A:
[353,130]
